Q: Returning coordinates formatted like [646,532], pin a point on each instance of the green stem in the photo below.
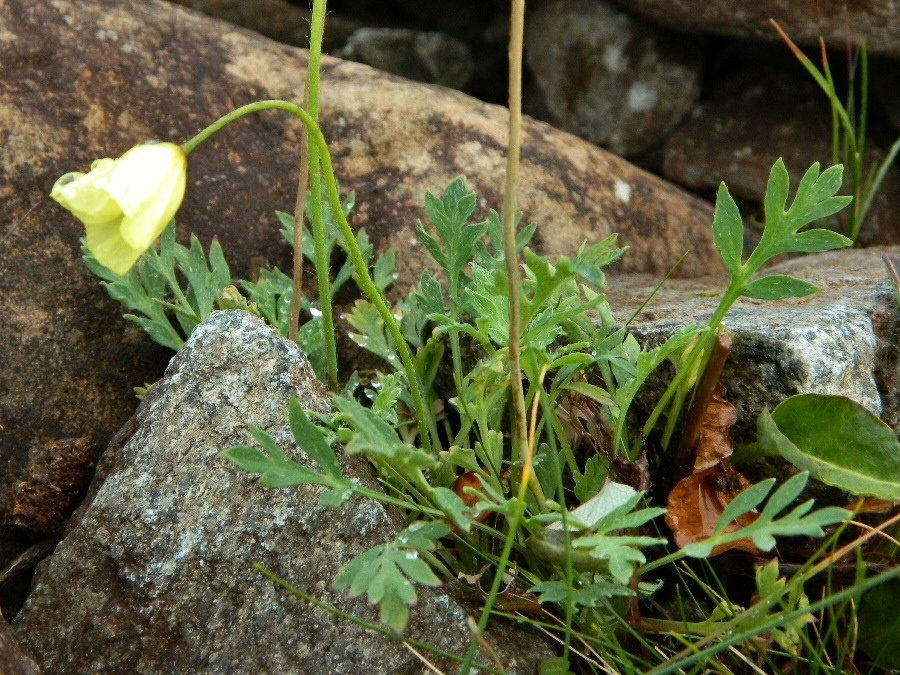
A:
[520,435]
[520,432]
[364,279]
[681,385]
[323,264]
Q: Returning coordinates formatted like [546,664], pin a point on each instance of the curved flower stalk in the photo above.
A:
[126,203]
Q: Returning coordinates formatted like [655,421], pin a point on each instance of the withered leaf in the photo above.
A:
[697,502]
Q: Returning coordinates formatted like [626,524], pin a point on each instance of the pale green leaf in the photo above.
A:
[728,231]
[778,287]
[838,441]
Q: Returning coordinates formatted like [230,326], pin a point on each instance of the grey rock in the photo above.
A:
[156,575]
[418,55]
[842,340]
[609,77]
[14,658]
[873,21]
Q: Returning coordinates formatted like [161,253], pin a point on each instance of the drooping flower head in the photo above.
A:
[126,203]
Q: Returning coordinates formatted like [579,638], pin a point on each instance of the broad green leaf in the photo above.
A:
[728,231]
[879,624]
[778,287]
[838,441]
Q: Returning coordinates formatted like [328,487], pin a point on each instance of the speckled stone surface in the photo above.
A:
[156,573]
[843,340]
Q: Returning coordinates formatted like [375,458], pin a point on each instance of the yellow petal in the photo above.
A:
[104,240]
[148,183]
[80,194]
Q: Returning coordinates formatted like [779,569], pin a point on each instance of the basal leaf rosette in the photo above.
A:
[126,203]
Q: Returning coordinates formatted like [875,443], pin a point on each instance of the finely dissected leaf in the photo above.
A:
[486,295]
[384,394]
[153,289]
[585,594]
[385,573]
[372,335]
[587,484]
[276,469]
[814,200]
[453,507]
[311,441]
[272,293]
[778,287]
[423,534]
[449,216]
[205,277]
[728,230]
[621,552]
[376,439]
[766,527]
[837,440]
[605,547]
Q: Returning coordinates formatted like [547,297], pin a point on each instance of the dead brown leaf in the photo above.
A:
[698,499]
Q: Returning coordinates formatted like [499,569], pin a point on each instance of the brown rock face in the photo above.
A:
[839,22]
[90,79]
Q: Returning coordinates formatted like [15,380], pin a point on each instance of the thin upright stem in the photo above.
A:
[520,431]
[323,263]
[299,214]
[364,278]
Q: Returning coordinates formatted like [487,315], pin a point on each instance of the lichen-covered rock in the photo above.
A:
[90,79]
[842,340]
[156,575]
[610,77]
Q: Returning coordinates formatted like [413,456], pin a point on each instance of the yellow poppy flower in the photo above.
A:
[126,203]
